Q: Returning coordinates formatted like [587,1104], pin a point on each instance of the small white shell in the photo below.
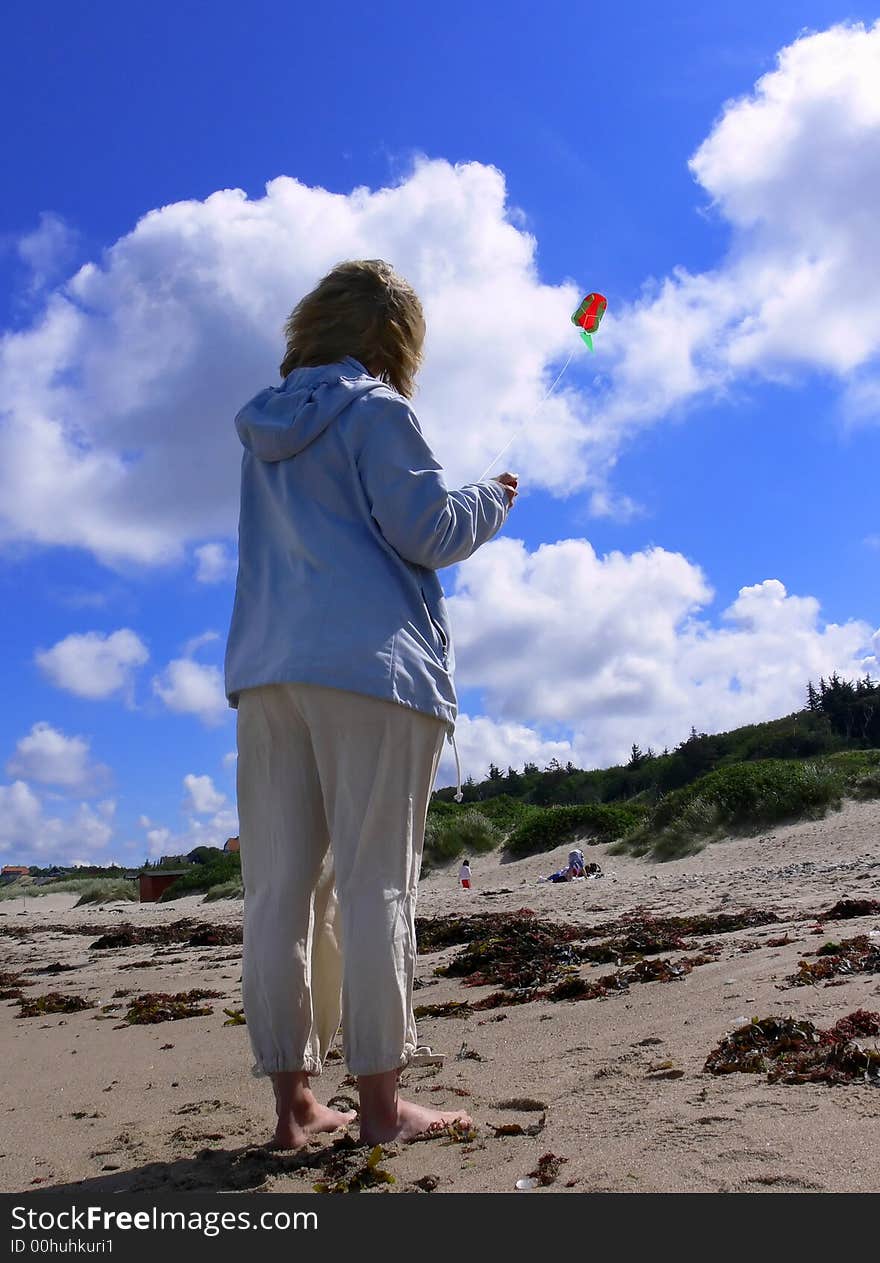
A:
[526,1182]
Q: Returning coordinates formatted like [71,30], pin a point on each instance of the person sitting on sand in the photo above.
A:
[340,664]
[575,870]
[562,874]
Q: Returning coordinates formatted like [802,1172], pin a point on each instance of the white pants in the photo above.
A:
[333,793]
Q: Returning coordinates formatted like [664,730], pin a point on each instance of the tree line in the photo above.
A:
[839,715]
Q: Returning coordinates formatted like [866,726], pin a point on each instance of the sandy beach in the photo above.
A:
[615,1085]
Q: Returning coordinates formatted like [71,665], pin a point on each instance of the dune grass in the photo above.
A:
[232,889]
[460,832]
[104,889]
[591,822]
[742,799]
[89,889]
[20,890]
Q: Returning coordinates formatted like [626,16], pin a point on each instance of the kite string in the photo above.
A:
[547,395]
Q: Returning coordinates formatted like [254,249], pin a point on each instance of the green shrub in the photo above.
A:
[506,813]
[867,785]
[741,798]
[233,889]
[202,877]
[860,770]
[551,826]
[450,835]
[103,890]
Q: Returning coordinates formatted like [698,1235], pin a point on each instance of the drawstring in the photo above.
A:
[450,737]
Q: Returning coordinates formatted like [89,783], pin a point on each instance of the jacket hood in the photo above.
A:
[282,420]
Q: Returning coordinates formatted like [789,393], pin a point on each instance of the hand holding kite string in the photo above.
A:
[509,482]
[588,317]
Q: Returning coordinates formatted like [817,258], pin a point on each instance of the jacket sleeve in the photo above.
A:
[421,519]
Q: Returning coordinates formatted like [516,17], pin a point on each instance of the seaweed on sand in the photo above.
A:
[11,985]
[530,959]
[454,1133]
[517,1129]
[844,909]
[574,988]
[653,971]
[499,998]
[451,1008]
[639,922]
[515,950]
[158,1006]
[547,1169]
[53,1002]
[347,1171]
[435,933]
[859,955]
[125,936]
[790,1051]
[216,936]
[185,930]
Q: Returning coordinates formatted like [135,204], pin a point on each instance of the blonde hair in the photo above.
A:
[364,309]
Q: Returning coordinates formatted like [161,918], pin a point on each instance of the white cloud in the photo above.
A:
[192,688]
[202,797]
[482,740]
[223,824]
[179,322]
[229,760]
[214,565]
[26,829]
[48,756]
[80,598]
[145,822]
[794,169]
[599,652]
[158,840]
[47,250]
[198,642]
[20,815]
[93,664]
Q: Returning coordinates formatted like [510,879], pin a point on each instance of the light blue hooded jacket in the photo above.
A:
[345,519]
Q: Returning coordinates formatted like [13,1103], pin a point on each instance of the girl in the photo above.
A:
[340,664]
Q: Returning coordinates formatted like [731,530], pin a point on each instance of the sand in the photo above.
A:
[99,1106]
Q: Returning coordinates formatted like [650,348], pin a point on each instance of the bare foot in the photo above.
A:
[296,1129]
[413,1122]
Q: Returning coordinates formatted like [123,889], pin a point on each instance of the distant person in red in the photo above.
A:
[464,874]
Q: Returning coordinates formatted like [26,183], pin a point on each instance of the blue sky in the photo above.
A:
[747,482]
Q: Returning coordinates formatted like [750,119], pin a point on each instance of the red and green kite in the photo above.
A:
[589,315]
